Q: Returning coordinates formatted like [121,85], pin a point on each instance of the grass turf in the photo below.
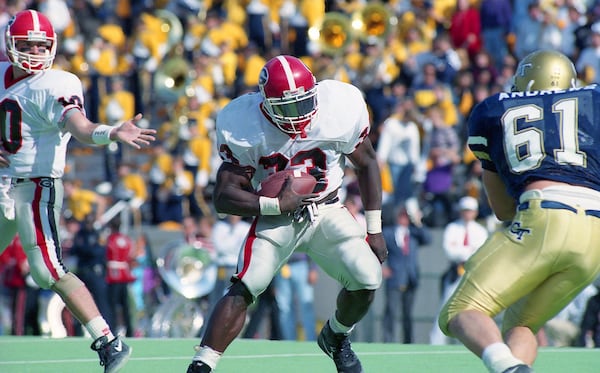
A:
[34,354]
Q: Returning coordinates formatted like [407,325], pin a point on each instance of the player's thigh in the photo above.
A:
[303,290]
[577,265]
[340,248]
[38,208]
[270,241]
[493,277]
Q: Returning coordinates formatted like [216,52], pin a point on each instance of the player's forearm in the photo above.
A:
[235,201]
[369,182]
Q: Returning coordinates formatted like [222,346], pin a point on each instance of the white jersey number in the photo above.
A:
[525,148]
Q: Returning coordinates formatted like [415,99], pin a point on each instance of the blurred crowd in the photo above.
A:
[422,66]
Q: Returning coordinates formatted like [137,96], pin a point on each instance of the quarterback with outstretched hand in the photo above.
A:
[293,122]
[40,109]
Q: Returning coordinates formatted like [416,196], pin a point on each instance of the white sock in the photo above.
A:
[338,327]
[98,327]
[497,357]
[207,355]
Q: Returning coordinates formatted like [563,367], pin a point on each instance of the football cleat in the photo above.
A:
[198,367]
[337,347]
[113,355]
[521,368]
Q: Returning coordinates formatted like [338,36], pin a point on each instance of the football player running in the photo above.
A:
[296,123]
[40,109]
[539,149]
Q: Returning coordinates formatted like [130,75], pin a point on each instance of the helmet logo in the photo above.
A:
[523,67]
[263,77]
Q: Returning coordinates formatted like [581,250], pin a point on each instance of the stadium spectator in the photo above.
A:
[81,202]
[589,327]
[287,223]
[132,187]
[375,72]
[461,238]
[465,28]
[49,105]
[170,184]
[120,254]
[564,329]
[227,236]
[549,202]
[527,29]
[403,236]
[266,308]
[496,22]
[22,291]
[442,145]
[399,149]
[90,252]
[587,63]
[294,294]
[483,69]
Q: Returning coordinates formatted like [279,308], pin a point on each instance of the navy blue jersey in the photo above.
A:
[540,135]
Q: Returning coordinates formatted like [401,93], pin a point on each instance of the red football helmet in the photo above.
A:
[289,90]
[32,26]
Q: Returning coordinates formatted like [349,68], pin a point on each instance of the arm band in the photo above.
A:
[269,206]
[101,134]
[373,218]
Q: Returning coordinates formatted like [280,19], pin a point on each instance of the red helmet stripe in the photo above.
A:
[287,69]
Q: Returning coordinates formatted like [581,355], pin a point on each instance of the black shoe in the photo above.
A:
[198,367]
[521,368]
[337,347]
[113,355]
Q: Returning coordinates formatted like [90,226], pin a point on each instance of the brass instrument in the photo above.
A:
[171,26]
[188,270]
[332,34]
[173,79]
[373,20]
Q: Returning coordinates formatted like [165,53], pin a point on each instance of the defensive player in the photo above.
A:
[295,123]
[539,149]
[40,109]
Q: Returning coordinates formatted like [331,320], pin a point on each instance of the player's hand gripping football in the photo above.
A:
[378,246]
[290,201]
[129,133]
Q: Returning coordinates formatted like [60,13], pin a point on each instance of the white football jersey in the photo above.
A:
[247,138]
[32,114]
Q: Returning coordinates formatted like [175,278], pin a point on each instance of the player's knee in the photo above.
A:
[366,278]
[67,284]
[42,277]
[444,321]
[239,290]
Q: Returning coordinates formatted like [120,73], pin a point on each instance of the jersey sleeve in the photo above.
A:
[359,116]
[478,136]
[66,94]
[234,144]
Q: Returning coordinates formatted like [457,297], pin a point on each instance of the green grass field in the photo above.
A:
[72,355]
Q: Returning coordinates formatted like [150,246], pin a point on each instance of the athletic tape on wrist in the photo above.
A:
[101,134]
[373,218]
[269,206]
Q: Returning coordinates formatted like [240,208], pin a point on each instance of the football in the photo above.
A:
[302,183]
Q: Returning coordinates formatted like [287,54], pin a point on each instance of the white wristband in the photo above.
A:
[101,134]
[373,218]
[269,206]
